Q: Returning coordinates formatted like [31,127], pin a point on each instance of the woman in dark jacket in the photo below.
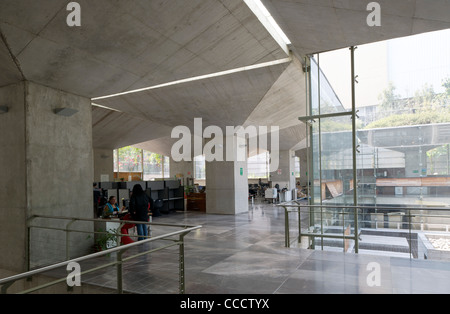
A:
[139,206]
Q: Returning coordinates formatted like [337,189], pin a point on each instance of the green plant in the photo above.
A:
[188,189]
[104,239]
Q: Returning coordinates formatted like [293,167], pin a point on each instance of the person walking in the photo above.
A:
[139,206]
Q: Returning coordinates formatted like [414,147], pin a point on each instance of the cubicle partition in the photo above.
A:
[169,192]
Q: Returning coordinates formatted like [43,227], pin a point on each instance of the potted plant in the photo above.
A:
[104,240]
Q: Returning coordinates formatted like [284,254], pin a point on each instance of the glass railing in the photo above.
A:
[411,232]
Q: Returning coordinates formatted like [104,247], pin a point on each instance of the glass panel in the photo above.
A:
[258,166]
[337,180]
[153,164]
[199,167]
[297,167]
[328,102]
[116,165]
[130,159]
[404,138]
[332,154]
[166,167]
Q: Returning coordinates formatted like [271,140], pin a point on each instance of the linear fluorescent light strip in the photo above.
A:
[104,107]
[266,19]
[198,78]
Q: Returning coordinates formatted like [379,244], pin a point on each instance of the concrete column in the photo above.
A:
[46,164]
[103,164]
[285,174]
[227,184]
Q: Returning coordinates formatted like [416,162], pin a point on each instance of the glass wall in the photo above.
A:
[332,164]
[200,167]
[297,167]
[402,140]
[258,166]
[144,164]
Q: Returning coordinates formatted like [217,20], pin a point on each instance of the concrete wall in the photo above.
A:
[185,168]
[48,165]
[103,164]
[286,177]
[227,185]
[13,187]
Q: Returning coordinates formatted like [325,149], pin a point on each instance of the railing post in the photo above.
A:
[410,238]
[354,144]
[299,225]
[119,273]
[28,245]
[181,265]
[6,286]
[67,238]
[286,228]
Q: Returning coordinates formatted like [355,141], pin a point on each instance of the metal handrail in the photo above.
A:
[288,204]
[7,282]
[298,206]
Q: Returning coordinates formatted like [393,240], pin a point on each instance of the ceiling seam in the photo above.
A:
[11,54]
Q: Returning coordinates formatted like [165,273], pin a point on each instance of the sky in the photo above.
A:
[409,62]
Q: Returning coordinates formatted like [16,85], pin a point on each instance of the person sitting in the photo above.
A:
[111,208]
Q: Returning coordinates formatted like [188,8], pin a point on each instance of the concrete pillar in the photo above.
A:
[227,183]
[181,169]
[103,164]
[285,174]
[46,164]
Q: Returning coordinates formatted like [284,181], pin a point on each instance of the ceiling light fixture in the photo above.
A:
[4,109]
[65,112]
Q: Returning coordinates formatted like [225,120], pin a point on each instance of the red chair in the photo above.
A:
[124,230]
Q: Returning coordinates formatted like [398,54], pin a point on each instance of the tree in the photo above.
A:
[389,100]
[425,99]
[446,85]
[130,159]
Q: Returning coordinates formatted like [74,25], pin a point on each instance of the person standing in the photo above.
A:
[97,198]
[139,206]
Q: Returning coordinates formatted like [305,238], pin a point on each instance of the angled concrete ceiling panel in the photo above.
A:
[284,103]
[129,44]
[161,146]
[222,101]
[317,26]
[112,129]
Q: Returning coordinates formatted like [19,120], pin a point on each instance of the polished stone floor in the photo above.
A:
[245,254]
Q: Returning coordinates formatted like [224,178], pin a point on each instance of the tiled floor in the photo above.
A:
[245,254]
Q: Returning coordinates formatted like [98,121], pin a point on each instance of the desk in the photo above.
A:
[196,202]
[112,226]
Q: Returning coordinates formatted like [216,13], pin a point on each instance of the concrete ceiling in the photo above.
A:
[221,101]
[129,44]
[124,45]
[112,129]
[321,25]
